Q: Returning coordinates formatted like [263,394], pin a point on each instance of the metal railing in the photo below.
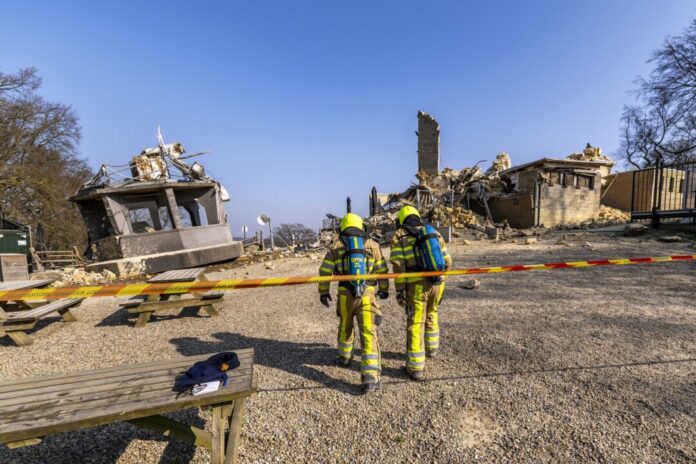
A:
[665,193]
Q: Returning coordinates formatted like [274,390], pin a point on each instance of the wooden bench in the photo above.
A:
[31,409]
[146,306]
[15,324]
[22,285]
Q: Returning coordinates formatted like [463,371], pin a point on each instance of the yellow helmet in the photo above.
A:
[351,220]
[405,212]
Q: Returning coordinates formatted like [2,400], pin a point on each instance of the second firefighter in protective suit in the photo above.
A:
[420,296]
[354,253]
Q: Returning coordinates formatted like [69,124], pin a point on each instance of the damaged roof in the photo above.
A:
[554,162]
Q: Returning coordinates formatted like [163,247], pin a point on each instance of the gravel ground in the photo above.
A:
[595,365]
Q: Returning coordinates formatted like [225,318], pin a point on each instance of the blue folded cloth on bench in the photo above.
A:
[212,369]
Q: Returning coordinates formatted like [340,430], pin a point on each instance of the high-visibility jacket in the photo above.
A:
[336,262]
[403,256]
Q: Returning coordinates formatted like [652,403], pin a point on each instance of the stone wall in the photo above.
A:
[428,144]
[568,205]
[517,210]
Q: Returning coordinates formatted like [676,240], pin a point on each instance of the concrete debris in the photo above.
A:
[457,217]
[562,240]
[530,240]
[470,284]
[71,276]
[590,153]
[670,239]
[327,237]
[466,242]
[609,215]
[501,163]
[634,229]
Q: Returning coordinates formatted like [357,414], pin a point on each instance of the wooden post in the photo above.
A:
[235,431]
[218,449]
[20,338]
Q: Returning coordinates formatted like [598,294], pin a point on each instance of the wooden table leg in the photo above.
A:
[233,438]
[143,319]
[218,449]
[20,338]
[67,315]
[210,309]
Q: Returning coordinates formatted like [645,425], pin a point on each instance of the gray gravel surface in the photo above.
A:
[594,365]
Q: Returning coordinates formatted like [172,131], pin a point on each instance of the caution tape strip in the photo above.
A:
[233,284]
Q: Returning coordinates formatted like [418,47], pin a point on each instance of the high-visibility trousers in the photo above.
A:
[422,330]
[368,315]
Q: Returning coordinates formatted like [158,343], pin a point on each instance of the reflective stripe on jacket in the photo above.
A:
[335,264]
[403,255]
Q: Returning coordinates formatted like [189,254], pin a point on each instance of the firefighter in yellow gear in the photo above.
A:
[420,296]
[356,299]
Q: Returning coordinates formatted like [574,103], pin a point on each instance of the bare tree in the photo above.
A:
[39,162]
[295,234]
[662,124]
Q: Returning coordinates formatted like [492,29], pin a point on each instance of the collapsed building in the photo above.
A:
[544,193]
[549,192]
[165,215]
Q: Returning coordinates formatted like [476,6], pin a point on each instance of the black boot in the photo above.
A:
[370,384]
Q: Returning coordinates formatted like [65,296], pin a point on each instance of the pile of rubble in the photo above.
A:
[590,153]
[460,182]
[76,276]
[609,215]
[457,217]
[252,257]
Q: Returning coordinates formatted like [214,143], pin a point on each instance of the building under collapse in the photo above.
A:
[549,192]
[165,215]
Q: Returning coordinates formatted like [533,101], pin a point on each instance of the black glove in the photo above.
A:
[324,299]
[383,294]
[401,297]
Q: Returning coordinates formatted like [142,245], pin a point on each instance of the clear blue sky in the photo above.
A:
[303,103]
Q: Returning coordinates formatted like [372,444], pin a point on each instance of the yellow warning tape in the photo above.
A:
[233,284]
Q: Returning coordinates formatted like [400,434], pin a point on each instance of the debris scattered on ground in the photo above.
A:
[470,284]
[609,215]
[458,217]
[634,229]
[74,276]
[530,240]
[590,153]
[562,240]
[670,238]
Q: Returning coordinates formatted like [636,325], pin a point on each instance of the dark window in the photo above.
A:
[671,184]
[681,186]
[563,179]
[147,213]
[590,183]
[192,214]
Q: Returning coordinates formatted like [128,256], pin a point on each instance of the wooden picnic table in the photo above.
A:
[16,323]
[31,409]
[146,306]
[17,317]
[18,305]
